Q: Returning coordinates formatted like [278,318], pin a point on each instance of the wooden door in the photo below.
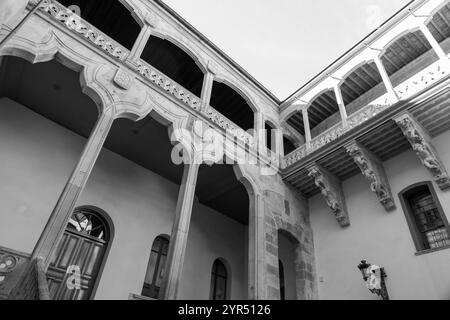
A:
[74,269]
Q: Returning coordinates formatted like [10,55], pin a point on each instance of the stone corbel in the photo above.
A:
[421,144]
[331,189]
[372,168]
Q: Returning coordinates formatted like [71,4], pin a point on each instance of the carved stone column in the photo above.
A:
[63,210]
[331,189]
[421,144]
[180,231]
[372,168]
[256,249]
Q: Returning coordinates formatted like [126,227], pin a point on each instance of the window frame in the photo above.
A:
[410,219]
[215,276]
[159,254]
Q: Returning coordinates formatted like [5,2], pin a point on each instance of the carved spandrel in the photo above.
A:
[421,144]
[372,168]
[331,190]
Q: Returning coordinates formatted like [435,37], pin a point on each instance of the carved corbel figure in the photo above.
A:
[421,144]
[331,190]
[372,168]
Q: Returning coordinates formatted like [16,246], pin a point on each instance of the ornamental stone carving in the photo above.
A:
[331,189]
[372,168]
[123,79]
[421,144]
[73,22]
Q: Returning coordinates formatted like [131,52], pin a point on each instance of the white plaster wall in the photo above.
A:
[380,237]
[36,159]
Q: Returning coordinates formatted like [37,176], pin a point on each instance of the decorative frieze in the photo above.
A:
[372,168]
[421,144]
[73,22]
[327,137]
[226,124]
[294,156]
[331,190]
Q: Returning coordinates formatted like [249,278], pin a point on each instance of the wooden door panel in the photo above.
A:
[75,250]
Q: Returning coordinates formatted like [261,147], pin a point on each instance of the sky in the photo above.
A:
[285,43]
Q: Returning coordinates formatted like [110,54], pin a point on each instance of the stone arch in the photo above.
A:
[432,23]
[54,50]
[238,89]
[127,15]
[353,90]
[184,46]
[389,53]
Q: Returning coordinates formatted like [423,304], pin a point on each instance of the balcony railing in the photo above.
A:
[415,84]
[73,22]
[77,25]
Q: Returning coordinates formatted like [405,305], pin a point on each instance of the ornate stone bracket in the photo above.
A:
[372,168]
[331,189]
[421,144]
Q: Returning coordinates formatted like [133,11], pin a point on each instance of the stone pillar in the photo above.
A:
[372,168]
[421,144]
[140,43]
[307,128]
[386,80]
[208,81]
[331,188]
[56,225]
[260,132]
[180,231]
[279,141]
[340,102]
[256,249]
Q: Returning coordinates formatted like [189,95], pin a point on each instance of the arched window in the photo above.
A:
[219,281]
[426,220]
[111,17]
[282,287]
[83,251]
[155,268]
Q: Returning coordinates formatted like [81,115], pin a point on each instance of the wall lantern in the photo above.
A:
[374,277]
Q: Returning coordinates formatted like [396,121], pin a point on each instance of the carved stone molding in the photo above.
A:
[421,144]
[331,189]
[373,169]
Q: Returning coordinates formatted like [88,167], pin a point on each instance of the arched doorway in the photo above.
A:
[76,267]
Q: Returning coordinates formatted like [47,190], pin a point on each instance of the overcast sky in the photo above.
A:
[284,43]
